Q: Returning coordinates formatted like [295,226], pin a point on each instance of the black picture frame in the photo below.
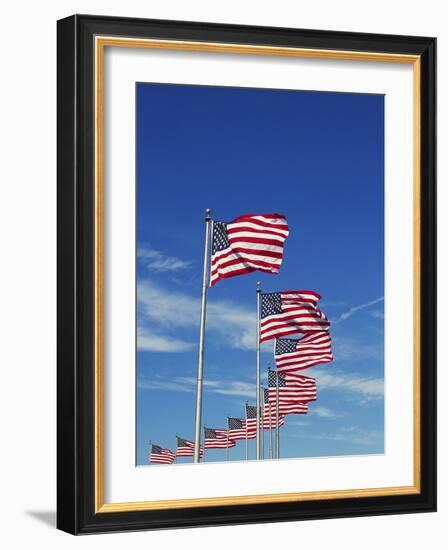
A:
[76,512]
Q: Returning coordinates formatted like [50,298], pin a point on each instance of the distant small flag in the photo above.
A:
[264,423]
[291,387]
[185,447]
[237,428]
[159,455]
[248,243]
[290,312]
[312,349]
[217,439]
[250,424]
[251,420]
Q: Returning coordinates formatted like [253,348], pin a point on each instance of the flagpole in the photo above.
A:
[149,454]
[258,370]
[227,445]
[203,450]
[197,432]
[271,446]
[262,422]
[277,429]
[246,431]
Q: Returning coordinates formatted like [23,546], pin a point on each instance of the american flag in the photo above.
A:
[290,312]
[264,424]
[159,455]
[250,424]
[185,447]
[291,388]
[237,428]
[251,420]
[312,349]
[217,439]
[248,243]
[292,407]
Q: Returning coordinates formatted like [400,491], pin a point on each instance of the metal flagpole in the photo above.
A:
[203,449]
[277,428]
[197,432]
[271,446]
[246,430]
[257,393]
[149,454]
[227,445]
[262,422]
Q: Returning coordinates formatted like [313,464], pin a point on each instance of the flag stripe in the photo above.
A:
[311,349]
[251,242]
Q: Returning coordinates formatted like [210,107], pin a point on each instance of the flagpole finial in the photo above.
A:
[258,286]
[207,214]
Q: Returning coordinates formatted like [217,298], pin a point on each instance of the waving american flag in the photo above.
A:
[312,349]
[290,312]
[217,439]
[248,243]
[185,447]
[292,388]
[159,455]
[237,429]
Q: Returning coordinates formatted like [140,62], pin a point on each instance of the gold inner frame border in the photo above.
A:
[100,43]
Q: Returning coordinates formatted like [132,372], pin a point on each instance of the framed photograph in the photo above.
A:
[246,274]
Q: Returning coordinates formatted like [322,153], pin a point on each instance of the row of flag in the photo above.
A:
[292,397]
[256,242]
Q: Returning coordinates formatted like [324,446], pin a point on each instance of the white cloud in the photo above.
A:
[188,383]
[166,309]
[294,422]
[163,385]
[347,348]
[223,387]
[377,313]
[350,312]
[372,388]
[323,412]
[353,434]
[155,260]
[148,341]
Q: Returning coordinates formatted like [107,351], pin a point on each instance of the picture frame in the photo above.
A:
[82,209]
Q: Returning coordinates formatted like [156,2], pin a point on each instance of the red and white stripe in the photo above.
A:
[167,457]
[299,315]
[222,441]
[188,449]
[219,443]
[264,423]
[297,388]
[311,349]
[286,407]
[256,242]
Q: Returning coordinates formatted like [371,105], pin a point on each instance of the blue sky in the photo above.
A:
[317,158]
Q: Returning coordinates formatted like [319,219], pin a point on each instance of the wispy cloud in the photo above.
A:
[164,310]
[348,348]
[148,341]
[350,312]
[167,385]
[352,434]
[324,412]
[368,388]
[372,388]
[155,260]
[188,384]
[377,313]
